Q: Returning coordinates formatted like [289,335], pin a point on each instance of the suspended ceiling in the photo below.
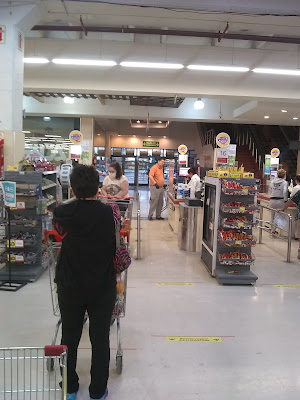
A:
[269,18]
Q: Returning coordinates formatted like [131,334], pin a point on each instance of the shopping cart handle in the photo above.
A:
[115,197]
[55,351]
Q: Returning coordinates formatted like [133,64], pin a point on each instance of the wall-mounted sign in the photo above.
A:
[149,143]
[75,137]
[2,34]
[223,139]
[275,152]
[182,149]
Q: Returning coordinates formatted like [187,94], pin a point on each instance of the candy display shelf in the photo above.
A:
[229,207]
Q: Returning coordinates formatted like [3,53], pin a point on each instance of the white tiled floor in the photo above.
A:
[258,358]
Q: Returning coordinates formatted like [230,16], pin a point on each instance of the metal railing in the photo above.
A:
[138,222]
[271,225]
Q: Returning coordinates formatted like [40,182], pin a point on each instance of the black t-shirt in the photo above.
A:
[88,246]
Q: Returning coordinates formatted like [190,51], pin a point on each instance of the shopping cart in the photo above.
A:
[23,373]
[123,239]
[53,243]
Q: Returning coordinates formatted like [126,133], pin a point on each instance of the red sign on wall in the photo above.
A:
[2,34]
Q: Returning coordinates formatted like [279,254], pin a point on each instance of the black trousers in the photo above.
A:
[99,305]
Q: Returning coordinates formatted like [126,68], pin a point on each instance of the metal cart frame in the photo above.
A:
[23,374]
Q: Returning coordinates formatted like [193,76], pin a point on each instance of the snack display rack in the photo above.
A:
[229,208]
[36,191]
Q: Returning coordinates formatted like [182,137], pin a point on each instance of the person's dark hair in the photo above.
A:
[116,166]
[192,170]
[84,181]
[297,179]
[161,158]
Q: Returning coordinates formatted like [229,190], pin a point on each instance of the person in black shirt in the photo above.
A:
[86,278]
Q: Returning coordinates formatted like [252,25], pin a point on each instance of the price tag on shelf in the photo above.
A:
[238,242]
[242,209]
[21,205]
[17,244]
[245,191]
[240,224]
[19,258]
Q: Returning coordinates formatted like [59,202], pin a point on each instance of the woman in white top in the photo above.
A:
[195,183]
[115,184]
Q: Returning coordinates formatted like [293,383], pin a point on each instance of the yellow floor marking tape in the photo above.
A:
[287,286]
[174,283]
[206,339]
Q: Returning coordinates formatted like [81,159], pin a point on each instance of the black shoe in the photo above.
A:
[160,219]
[150,218]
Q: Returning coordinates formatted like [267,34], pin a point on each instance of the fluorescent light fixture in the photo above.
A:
[73,61]
[98,134]
[26,132]
[135,64]
[35,60]
[52,136]
[47,118]
[266,117]
[138,121]
[198,105]
[119,135]
[160,122]
[217,68]
[165,137]
[68,100]
[149,136]
[283,111]
[133,135]
[295,118]
[276,71]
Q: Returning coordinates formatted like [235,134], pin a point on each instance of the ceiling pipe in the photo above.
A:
[170,32]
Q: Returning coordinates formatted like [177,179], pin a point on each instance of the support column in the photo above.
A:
[107,146]
[87,129]
[14,21]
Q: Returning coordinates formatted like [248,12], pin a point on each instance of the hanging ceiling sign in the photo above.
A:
[182,149]
[2,34]
[75,137]
[223,139]
[275,152]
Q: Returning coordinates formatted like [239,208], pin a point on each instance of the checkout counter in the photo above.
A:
[264,200]
[186,221]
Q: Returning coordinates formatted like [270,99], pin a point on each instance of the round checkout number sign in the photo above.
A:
[182,149]
[75,137]
[223,139]
[275,152]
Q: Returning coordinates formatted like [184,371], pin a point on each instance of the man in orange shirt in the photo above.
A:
[156,177]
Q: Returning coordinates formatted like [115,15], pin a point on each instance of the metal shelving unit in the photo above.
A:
[227,246]
[32,188]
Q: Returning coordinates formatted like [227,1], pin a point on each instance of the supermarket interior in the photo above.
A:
[189,112]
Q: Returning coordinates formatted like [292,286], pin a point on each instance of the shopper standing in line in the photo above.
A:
[86,278]
[115,184]
[279,194]
[157,182]
[295,199]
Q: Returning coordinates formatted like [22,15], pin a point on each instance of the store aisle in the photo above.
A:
[257,358]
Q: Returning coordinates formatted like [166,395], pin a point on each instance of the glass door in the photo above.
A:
[209,215]
[129,169]
[143,171]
